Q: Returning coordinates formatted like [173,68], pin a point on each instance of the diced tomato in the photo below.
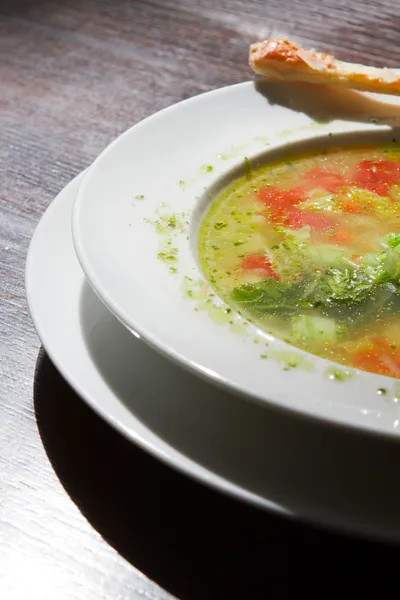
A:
[341,237]
[383,343]
[370,360]
[296,194]
[297,219]
[351,207]
[255,261]
[280,201]
[261,263]
[331,182]
[377,175]
[378,357]
[282,208]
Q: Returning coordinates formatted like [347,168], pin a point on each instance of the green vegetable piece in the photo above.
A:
[392,263]
[326,255]
[320,330]
[267,296]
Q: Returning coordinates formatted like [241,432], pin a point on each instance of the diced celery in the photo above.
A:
[326,255]
[314,328]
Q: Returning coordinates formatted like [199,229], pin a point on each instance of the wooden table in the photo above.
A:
[83,513]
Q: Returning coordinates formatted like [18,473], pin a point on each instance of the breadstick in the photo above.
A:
[278,58]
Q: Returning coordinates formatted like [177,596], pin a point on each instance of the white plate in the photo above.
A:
[272,460]
[118,249]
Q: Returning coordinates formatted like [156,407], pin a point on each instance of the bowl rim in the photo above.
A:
[165,348]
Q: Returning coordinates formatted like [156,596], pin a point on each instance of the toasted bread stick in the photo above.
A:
[278,58]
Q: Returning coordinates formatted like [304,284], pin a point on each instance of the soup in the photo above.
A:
[308,249]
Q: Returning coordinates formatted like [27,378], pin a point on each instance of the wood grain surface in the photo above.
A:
[80,510]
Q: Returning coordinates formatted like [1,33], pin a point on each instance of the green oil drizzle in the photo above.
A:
[201,293]
[290,359]
[339,374]
[169,223]
[168,257]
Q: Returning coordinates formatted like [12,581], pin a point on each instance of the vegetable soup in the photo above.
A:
[308,249]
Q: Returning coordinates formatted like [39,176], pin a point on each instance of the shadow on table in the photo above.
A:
[193,542]
[190,540]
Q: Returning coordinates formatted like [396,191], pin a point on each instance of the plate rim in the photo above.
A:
[216,482]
